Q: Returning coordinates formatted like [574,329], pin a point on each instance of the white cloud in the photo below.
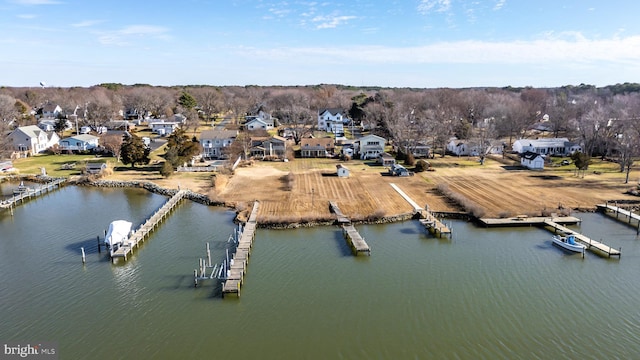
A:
[427,6]
[124,36]
[545,51]
[27,16]
[499,4]
[329,22]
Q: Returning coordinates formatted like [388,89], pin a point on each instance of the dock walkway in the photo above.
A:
[618,210]
[235,277]
[356,241]
[138,236]
[31,193]
[427,219]
[591,244]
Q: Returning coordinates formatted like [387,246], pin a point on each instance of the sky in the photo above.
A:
[388,43]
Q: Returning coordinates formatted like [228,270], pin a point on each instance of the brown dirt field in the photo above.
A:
[498,189]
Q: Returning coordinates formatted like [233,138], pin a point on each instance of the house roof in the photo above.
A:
[218,134]
[83,137]
[376,137]
[529,155]
[311,142]
[96,165]
[550,142]
[30,130]
[332,111]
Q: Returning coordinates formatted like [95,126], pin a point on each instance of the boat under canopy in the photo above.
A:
[118,232]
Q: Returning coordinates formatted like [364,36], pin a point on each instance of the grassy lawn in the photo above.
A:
[53,163]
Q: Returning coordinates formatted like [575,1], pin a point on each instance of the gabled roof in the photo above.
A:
[550,142]
[32,131]
[83,137]
[332,111]
[218,134]
[529,155]
[376,137]
[312,142]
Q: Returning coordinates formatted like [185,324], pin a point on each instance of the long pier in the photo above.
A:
[138,236]
[356,241]
[591,244]
[618,210]
[238,264]
[30,193]
[427,219]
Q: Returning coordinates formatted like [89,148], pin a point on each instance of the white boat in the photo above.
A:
[118,233]
[21,189]
[568,242]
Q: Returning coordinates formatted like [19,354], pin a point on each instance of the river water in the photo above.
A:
[484,294]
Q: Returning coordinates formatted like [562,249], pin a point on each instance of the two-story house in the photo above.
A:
[370,146]
[331,120]
[268,147]
[262,121]
[214,142]
[164,127]
[317,147]
[31,140]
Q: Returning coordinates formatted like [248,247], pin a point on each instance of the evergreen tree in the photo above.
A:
[180,148]
[187,101]
[133,151]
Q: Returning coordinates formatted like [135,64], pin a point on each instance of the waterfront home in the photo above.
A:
[80,142]
[532,161]
[31,140]
[385,159]
[268,147]
[214,142]
[550,146]
[331,120]
[370,146]
[317,147]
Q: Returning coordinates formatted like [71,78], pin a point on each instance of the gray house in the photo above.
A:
[214,142]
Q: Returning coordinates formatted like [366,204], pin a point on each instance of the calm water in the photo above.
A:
[485,294]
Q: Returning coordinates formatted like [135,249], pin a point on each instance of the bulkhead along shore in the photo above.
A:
[298,193]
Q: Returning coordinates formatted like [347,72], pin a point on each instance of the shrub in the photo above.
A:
[409,160]
[166,170]
[421,166]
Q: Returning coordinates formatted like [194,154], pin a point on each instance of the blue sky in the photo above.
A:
[413,43]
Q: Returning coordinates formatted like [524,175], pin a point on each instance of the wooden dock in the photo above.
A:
[340,217]
[524,220]
[353,237]
[592,245]
[31,193]
[435,226]
[138,236]
[629,216]
[357,243]
[238,267]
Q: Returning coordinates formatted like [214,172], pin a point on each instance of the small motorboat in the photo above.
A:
[21,189]
[568,242]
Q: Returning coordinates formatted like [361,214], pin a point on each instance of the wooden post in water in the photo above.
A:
[84,260]
[195,278]
[208,254]
[98,239]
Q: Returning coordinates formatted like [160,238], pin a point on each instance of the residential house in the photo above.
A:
[532,161]
[268,147]
[80,142]
[163,127]
[50,124]
[262,121]
[331,120]
[550,146]
[48,111]
[31,140]
[214,142]
[317,147]
[463,148]
[370,146]
[342,170]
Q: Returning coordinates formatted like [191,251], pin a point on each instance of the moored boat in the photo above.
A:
[568,242]
[118,233]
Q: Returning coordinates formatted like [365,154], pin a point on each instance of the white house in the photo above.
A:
[370,146]
[164,127]
[49,111]
[532,160]
[262,121]
[463,148]
[331,120]
[80,142]
[32,140]
[551,146]
[214,142]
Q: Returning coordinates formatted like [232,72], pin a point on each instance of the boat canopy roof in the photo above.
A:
[118,232]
